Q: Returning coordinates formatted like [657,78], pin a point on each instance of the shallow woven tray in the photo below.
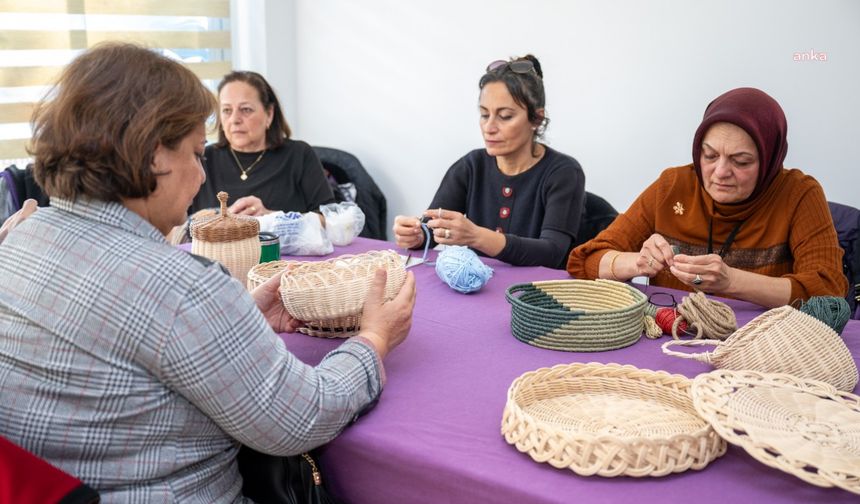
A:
[576,315]
[804,427]
[328,296]
[608,420]
[264,271]
[781,340]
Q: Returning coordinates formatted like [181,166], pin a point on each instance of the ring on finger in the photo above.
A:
[650,262]
[697,280]
[447,234]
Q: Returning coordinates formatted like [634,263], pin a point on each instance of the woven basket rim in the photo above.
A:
[641,299]
[780,340]
[597,366]
[575,329]
[729,382]
[703,436]
[315,293]
[277,266]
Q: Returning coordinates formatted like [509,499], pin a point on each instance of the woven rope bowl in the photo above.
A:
[576,315]
[608,420]
[259,274]
[804,427]
[781,340]
[328,296]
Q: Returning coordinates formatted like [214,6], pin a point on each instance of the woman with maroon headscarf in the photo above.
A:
[735,222]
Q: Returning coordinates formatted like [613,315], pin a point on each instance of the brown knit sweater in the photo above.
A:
[787,231]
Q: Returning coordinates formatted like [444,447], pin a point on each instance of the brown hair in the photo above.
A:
[279,130]
[111,108]
[526,89]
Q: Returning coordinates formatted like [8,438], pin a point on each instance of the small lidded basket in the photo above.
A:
[328,296]
[232,240]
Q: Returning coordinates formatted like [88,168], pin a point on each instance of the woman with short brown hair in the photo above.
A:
[135,366]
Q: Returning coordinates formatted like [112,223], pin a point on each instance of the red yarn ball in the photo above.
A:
[665,317]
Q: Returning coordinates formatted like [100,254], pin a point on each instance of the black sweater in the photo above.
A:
[538,210]
[288,178]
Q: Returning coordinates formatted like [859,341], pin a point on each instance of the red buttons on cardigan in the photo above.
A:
[500,230]
[504,212]
[507,192]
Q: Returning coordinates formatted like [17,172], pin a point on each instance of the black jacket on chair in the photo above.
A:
[21,186]
[597,215]
[345,167]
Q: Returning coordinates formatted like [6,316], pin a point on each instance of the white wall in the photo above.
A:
[627,81]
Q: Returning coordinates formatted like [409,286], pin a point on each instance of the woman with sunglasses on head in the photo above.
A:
[517,199]
[734,222]
[255,161]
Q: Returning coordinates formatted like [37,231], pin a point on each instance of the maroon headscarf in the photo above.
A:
[762,118]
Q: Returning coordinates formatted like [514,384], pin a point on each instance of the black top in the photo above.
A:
[288,178]
[538,210]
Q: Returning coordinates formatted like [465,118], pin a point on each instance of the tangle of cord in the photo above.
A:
[712,319]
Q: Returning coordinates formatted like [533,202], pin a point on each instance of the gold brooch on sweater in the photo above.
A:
[679,208]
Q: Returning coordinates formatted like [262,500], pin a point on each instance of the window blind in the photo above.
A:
[39,37]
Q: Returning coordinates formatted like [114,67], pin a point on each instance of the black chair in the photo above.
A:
[346,168]
[18,185]
[846,219]
[597,215]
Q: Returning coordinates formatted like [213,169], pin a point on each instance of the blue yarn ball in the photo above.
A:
[462,270]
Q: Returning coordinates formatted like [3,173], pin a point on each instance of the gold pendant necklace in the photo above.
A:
[246,171]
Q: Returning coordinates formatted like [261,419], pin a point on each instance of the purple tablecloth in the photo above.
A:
[435,435]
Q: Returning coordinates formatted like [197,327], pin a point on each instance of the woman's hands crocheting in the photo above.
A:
[704,272]
[408,232]
[454,228]
[268,300]
[386,323]
[655,255]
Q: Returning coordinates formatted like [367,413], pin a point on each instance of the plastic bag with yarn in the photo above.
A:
[299,234]
[343,222]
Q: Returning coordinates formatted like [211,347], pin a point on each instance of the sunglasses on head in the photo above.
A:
[519,66]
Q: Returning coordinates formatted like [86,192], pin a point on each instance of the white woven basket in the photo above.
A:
[781,340]
[804,427]
[608,420]
[259,274]
[328,296]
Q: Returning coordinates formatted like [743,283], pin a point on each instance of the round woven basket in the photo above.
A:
[608,420]
[804,427]
[576,315]
[259,274]
[328,296]
[232,240]
[781,340]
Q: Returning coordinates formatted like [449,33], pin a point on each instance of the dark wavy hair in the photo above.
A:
[525,88]
[279,130]
[96,132]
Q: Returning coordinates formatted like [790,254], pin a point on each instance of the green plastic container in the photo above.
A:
[270,247]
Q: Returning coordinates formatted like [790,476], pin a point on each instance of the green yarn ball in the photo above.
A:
[833,311]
